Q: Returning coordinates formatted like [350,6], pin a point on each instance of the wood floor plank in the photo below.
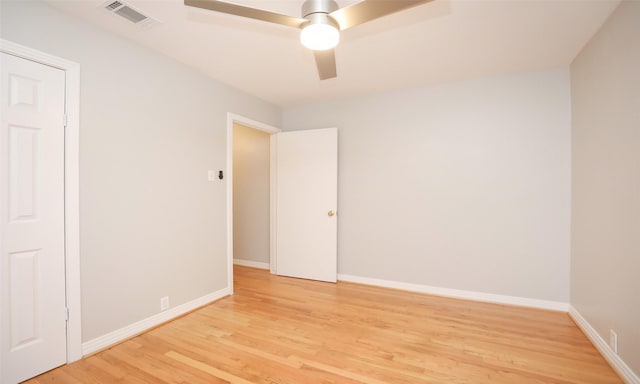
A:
[290,331]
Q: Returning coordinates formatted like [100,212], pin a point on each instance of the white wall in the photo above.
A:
[464,185]
[151,223]
[251,204]
[605,258]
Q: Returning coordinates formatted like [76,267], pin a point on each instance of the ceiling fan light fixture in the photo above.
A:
[320,34]
[321,22]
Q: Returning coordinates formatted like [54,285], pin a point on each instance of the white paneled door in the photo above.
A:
[306,203]
[32,256]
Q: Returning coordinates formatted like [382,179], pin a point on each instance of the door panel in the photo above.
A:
[306,193]
[32,259]
[23,166]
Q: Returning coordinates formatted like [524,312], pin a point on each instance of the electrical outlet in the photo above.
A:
[164,303]
[613,340]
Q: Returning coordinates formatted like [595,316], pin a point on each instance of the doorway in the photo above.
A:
[251,185]
[250,219]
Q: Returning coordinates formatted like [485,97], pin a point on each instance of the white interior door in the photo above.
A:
[32,258]
[306,203]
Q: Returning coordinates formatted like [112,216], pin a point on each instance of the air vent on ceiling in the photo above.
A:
[113,6]
[128,12]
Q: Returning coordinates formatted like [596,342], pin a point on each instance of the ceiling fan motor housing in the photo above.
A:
[317,12]
[318,6]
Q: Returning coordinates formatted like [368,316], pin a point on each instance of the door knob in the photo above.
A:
[331,213]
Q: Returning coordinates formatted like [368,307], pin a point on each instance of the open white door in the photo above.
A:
[32,254]
[306,203]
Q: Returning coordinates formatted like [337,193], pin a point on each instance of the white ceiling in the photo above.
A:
[446,40]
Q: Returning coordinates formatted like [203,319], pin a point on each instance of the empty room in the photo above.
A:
[348,191]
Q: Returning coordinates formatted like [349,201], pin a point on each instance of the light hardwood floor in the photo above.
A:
[283,330]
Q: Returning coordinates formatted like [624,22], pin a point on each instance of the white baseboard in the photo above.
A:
[613,358]
[131,330]
[459,294]
[249,263]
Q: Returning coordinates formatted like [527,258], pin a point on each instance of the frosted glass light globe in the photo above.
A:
[319,36]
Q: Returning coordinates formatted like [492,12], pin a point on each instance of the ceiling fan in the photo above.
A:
[320,24]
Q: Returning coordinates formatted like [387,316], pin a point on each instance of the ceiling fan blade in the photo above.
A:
[326,63]
[252,13]
[368,10]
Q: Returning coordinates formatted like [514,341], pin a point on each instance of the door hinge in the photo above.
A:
[65,120]
[66,314]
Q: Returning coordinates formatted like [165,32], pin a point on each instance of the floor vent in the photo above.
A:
[128,12]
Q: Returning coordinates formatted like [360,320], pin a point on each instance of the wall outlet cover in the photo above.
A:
[164,303]
[613,340]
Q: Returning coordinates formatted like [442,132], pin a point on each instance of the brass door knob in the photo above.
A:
[331,213]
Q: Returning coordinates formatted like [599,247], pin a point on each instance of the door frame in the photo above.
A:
[71,186]
[247,122]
